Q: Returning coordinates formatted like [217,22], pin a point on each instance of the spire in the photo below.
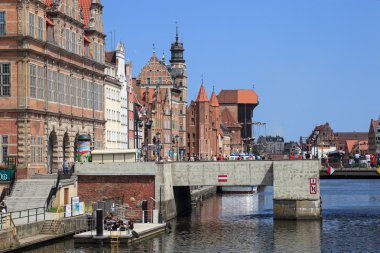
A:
[214,100]
[202,96]
[176,32]
[154,49]
[163,57]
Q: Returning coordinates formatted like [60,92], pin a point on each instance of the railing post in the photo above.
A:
[28,216]
[36,214]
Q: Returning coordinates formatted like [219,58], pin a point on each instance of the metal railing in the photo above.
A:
[28,216]
[53,192]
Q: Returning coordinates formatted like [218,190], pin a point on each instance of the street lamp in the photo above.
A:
[158,140]
[176,139]
[148,125]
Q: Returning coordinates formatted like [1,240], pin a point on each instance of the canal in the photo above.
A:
[244,223]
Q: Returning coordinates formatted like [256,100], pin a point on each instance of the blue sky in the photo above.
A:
[311,61]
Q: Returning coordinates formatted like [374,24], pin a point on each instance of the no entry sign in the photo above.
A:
[313,185]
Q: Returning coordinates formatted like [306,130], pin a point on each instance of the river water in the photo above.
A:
[244,223]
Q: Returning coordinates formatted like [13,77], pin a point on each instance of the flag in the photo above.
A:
[222,178]
[330,170]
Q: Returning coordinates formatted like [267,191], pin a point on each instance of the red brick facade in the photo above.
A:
[96,188]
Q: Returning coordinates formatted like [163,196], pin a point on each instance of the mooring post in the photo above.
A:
[99,222]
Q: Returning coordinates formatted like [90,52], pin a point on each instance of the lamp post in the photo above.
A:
[160,211]
[158,135]
[176,140]
[148,125]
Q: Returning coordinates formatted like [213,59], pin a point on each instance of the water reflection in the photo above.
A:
[244,223]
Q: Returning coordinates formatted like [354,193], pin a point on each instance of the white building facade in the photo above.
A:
[116,100]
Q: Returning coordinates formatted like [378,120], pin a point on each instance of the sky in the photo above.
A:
[310,62]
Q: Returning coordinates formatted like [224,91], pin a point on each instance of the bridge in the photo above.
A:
[351,173]
[296,191]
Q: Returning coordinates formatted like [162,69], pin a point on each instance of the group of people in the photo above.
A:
[113,223]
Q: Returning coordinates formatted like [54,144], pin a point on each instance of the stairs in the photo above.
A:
[29,193]
[51,227]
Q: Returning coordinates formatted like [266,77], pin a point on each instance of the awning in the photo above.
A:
[86,39]
[49,22]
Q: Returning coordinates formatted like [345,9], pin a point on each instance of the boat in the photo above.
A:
[238,189]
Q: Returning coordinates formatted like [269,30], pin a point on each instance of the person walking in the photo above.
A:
[65,167]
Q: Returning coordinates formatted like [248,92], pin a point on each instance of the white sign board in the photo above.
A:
[75,206]
[68,210]
[81,207]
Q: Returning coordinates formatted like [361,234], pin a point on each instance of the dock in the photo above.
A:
[142,230]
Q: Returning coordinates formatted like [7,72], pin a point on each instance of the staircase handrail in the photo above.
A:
[57,217]
[53,192]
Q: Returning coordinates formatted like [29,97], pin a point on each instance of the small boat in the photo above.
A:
[238,189]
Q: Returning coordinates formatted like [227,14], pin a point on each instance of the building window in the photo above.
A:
[68,90]
[31,25]
[73,91]
[67,7]
[40,28]
[79,86]
[67,39]
[40,86]
[32,80]
[48,85]
[90,95]
[5,80]
[61,88]
[96,96]
[101,53]
[2,23]
[95,51]
[101,98]
[73,43]
[84,93]
[180,98]
[148,81]
[39,158]
[4,146]
[33,149]
[55,86]
[73,8]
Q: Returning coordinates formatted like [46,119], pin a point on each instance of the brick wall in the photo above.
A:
[95,188]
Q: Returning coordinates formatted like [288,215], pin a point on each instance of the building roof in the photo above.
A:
[228,120]
[214,100]
[111,57]
[202,96]
[341,136]
[85,5]
[238,97]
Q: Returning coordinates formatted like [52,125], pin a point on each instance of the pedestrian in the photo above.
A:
[65,167]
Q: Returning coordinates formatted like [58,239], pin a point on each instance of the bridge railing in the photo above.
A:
[23,216]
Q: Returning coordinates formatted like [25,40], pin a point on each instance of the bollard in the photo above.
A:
[145,211]
[99,222]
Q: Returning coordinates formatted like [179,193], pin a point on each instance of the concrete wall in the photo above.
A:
[238,173]
[291,181]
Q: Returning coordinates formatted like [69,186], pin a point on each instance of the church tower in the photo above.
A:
[179,76]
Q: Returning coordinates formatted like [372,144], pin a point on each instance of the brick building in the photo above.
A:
[236,107]
[162,91]
[52,78]
[372,136]
[205,136]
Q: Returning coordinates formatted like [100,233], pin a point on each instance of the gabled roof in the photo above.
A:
[214,100]
[238,97]
[202,96]
[374,123]
[228,120]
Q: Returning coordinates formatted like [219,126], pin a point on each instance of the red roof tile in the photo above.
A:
[214,100]
[85,5]
[238,97]
[202,96]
